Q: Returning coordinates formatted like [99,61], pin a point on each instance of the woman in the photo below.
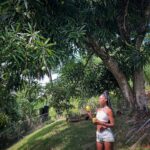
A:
[104,121]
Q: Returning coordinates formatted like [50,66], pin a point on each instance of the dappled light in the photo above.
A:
[74,74]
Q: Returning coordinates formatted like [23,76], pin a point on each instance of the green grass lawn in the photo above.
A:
[61,135]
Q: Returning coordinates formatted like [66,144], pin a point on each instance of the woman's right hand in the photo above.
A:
[89,114]
[94,120]
[101,124]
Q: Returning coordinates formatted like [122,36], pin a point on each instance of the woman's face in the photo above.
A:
[102,100]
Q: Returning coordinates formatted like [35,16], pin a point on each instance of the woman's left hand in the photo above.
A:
[100,122]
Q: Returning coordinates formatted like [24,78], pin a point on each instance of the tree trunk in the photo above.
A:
[139,89]
[138,80]
[122,80]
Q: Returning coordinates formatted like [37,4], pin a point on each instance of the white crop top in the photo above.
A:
[102,116]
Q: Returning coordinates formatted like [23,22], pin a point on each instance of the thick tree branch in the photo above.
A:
[122,21]
[125,16]
[95,47]
[142,29]
[88,59]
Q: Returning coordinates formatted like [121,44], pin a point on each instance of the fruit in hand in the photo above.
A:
[88,108]
[93,120]
[43,68]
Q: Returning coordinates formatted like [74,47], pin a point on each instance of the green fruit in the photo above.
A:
[88,108]
[43,68]
[62,2]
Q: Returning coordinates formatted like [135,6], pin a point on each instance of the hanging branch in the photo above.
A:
[122,21]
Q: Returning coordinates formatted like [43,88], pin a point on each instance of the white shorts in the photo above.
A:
[105,136]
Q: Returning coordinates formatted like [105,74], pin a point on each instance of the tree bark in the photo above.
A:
[138,78]
[122,80]
[139,89]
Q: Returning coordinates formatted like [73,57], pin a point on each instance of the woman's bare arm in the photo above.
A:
[90,114]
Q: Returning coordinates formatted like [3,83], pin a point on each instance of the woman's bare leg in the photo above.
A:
[100,146]
[108,145]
